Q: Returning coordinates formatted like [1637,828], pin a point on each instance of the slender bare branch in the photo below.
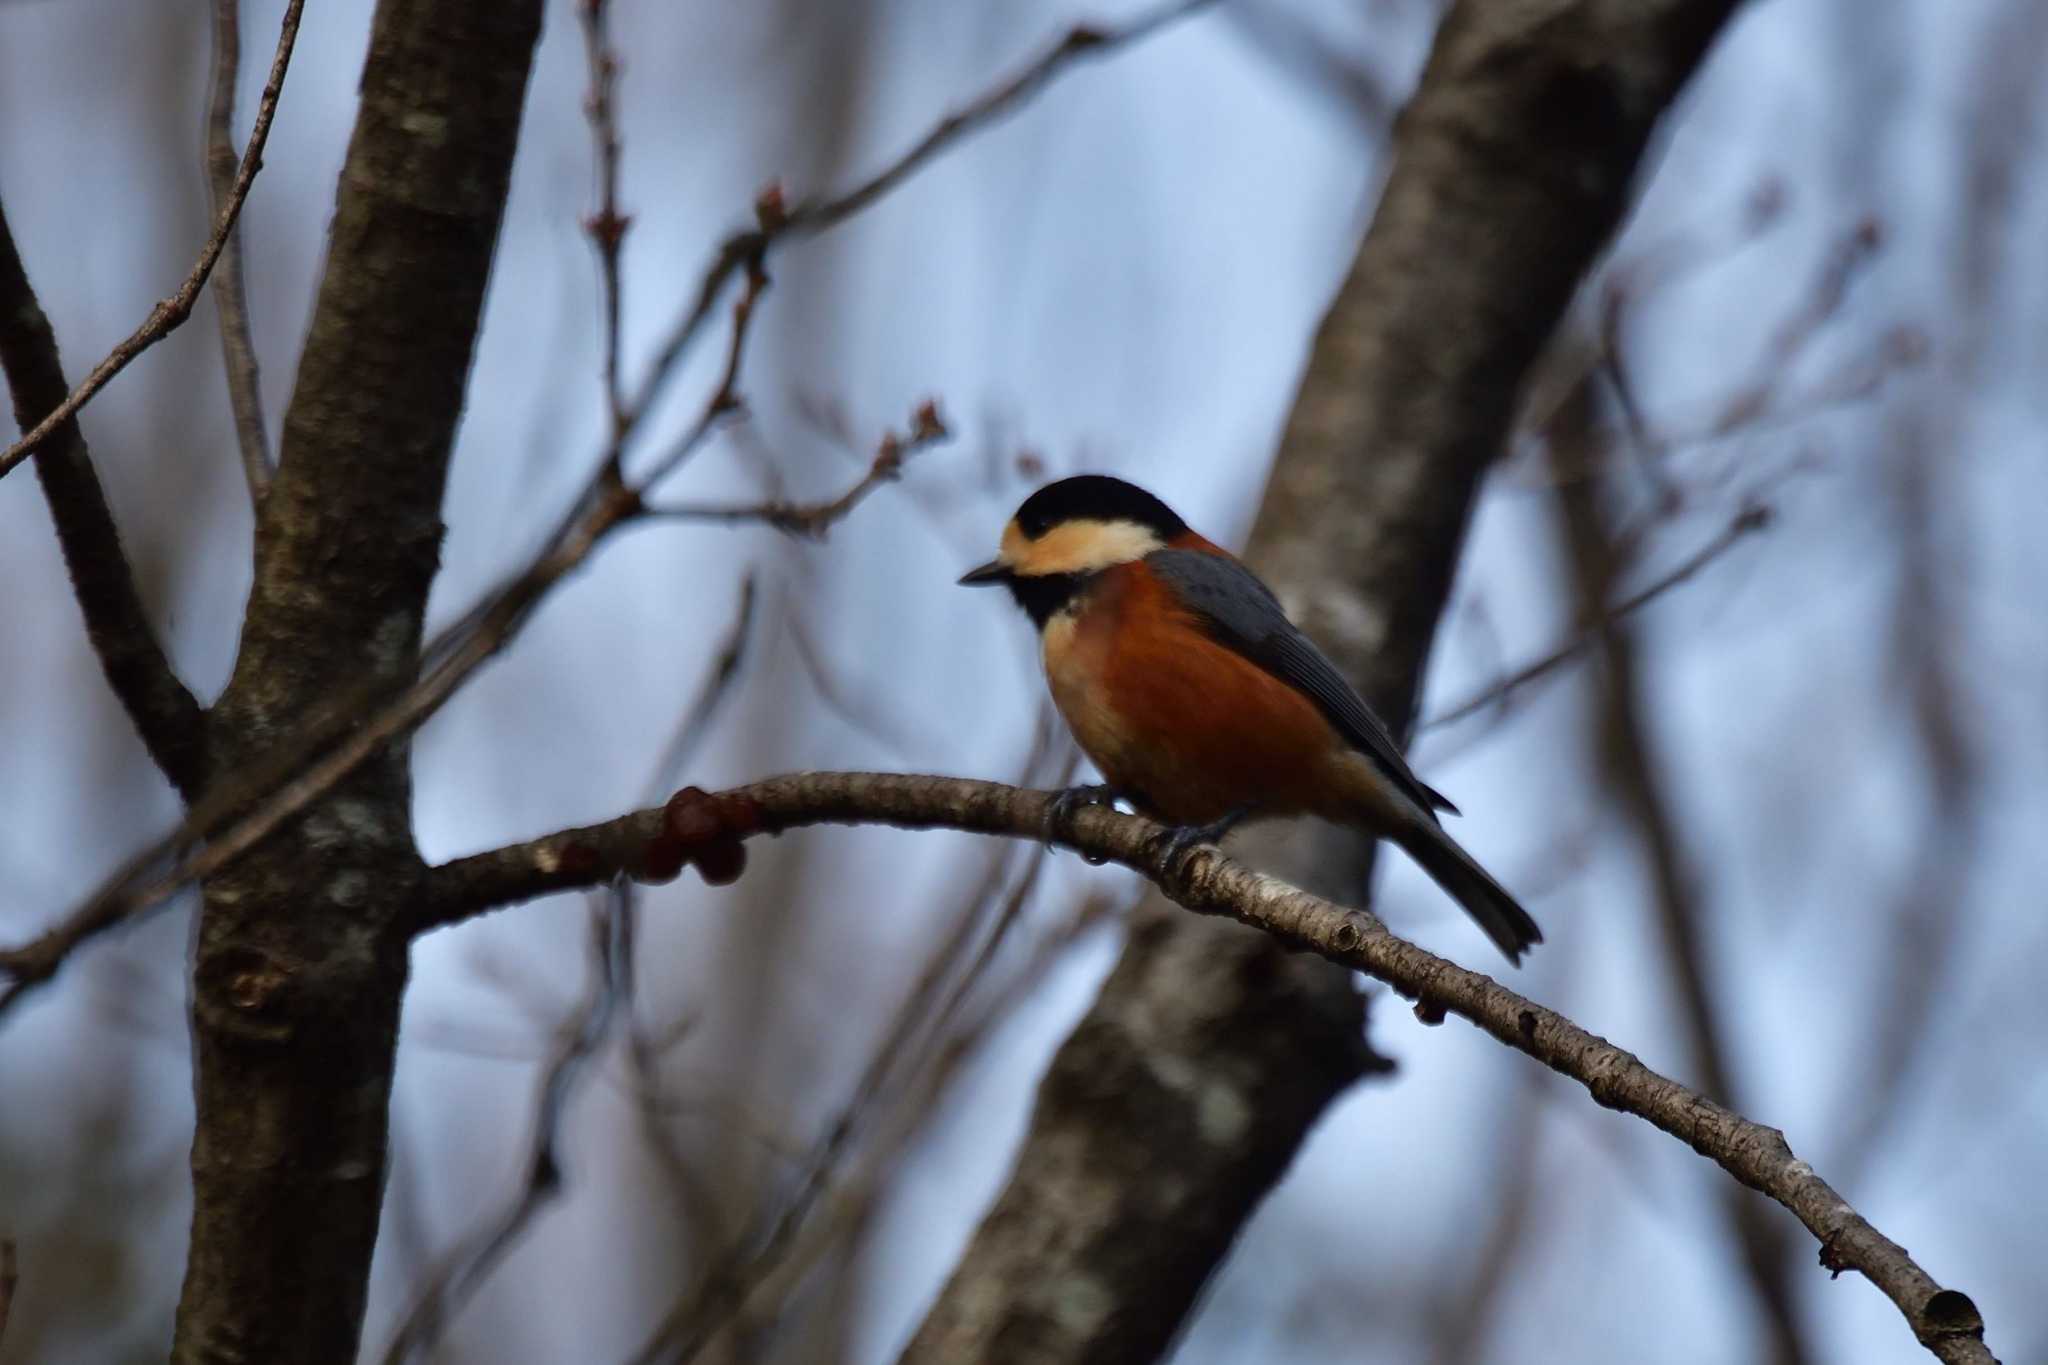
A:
[1750,519]
[230,295]
[812,216]
[723,1291]
[813,520]
[166,715]
[277,787]
[607,227]
[465,1269]
[170,313]
[655,841]
[1598,557]
[695,723]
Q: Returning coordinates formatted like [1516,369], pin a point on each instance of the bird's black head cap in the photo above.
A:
[1095,497]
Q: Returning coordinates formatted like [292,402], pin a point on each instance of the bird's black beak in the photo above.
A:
[988,575]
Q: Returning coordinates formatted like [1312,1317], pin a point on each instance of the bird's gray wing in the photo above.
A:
[1241,613]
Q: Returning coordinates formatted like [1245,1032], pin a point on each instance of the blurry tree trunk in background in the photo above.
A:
[1210,1053]
[302,944]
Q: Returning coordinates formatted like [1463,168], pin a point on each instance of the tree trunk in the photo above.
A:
[302,944]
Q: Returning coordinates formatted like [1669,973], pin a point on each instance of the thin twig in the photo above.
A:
[815,215]
[607,227]
[1750,519]
[1205,880]
[1598,557]
[725,402]
[469,1265]
[813,520]
[695,722]
[230,296]
[722,1292]
[260,800]
[170,314]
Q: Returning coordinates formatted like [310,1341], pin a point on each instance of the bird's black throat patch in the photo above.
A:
[1042,595]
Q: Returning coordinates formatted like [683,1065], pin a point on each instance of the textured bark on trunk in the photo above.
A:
[301,958]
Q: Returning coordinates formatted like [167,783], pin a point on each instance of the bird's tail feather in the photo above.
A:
[1452,868]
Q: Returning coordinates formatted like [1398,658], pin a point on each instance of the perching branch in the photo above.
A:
[170,313]
[707,829]
[230,298]
[172,726]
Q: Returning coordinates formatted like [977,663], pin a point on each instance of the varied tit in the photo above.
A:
[1201,703]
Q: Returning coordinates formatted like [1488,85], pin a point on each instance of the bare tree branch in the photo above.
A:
[258,797]
[695,825]
[1598,560]
[813,520]
[607,227]
[171,313]
[463,1272]
[1750,519]
[812,216]
[230,297]
[166,715]
[695,722]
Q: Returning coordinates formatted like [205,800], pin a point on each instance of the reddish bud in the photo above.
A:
[926,424]
[1429,1012]
[888,454]
[771,210]
[607,228]
[706,830]
[662,860]
[692,818]
[1029,465]
[721,863]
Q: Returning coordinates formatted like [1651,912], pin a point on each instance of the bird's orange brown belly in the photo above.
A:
[1187,727]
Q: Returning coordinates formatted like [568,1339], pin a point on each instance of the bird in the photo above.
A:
[1200,702]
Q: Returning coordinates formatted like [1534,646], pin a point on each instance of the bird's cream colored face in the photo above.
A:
[1076,547]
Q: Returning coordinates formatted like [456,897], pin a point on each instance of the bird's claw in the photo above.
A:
[1180,841]
[1059,816]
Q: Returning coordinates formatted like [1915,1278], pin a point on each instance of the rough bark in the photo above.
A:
[301,955]
[1511,167]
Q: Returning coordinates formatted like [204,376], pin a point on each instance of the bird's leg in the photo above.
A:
[1059,816]
[1181,840]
